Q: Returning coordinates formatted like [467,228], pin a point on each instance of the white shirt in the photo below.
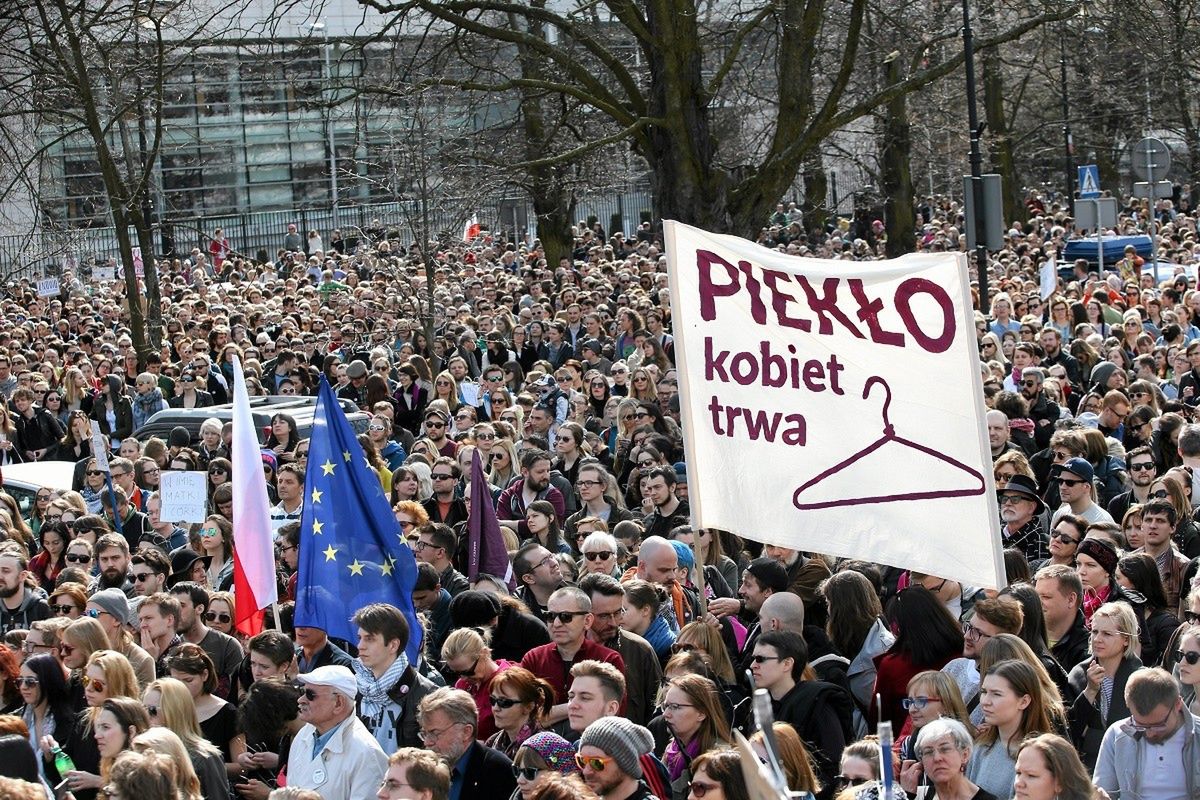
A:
[1163,769]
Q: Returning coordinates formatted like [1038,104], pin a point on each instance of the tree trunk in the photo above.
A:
[998,135]
[896,171]
[813,207]
[554,215]
[687,185]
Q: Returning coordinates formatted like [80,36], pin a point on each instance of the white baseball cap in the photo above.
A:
[340,679]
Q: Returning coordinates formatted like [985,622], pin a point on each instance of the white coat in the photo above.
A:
[350,766]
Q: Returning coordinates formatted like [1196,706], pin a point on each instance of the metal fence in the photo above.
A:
[47,252]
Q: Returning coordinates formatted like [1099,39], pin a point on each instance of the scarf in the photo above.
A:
[1093,600]
[678,758]
[374,691]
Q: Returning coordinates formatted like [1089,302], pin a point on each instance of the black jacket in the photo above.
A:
[822,714]
[41,432]
[408,692]
[488,775]
[1085,721]
[1072,648]
[516,634]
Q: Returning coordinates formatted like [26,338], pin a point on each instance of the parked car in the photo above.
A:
[22,481]
[261,408]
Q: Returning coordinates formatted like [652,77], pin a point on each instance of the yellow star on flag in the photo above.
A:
[386,567]
[330,553]
[356,568]
[346,455]
[327,467]
[316,495]
[317,526]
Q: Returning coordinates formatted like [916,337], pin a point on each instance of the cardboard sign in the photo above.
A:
[47,287]
[99,447]
[834,406]
[184,496]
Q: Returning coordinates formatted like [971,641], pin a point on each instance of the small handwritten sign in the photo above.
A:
[184,496]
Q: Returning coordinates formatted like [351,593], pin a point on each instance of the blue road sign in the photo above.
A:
[1089,181]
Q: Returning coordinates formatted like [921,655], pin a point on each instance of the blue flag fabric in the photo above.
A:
[352,552]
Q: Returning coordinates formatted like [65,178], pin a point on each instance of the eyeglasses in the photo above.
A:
[63,609]
[217,471]
[432,424]
[674,708]
[584,483]
[442,476]
[945,751]
[564,617]
[1136,729]
[139,577]
[1068,482]
[77,559]
[430,735]
[213,616]
[971,632]
[598,555]
[528,773]
[918,702]
[468,672]
[594,763]
[1012,499]
[422,544]
[503,702]
[847,781]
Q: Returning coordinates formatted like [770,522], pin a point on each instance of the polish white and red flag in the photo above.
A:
[253,547]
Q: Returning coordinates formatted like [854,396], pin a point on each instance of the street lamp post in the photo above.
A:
[329,143]
[976,158]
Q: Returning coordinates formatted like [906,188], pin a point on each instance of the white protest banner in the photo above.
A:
[47,287]
[835,406]
[184,496]
[99,447]
[1049,277]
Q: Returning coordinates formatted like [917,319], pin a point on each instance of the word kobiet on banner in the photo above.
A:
[835,406]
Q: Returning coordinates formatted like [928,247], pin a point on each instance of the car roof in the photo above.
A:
[41,474]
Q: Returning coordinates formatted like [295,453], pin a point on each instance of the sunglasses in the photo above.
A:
[594,763]
[565,617]
[1190,656]
[700,789]
[503,702]
[74,559]
[1069,482]
[217,471]
[96,685]
[468,672]
[64,609]
[213,616]
[598,555]
[28,683]
[528,773]
[152,711]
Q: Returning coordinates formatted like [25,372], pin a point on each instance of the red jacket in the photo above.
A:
[893,671]
[545,662]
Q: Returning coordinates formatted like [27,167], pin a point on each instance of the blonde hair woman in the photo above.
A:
[467,655]
[171,709]
[164,742]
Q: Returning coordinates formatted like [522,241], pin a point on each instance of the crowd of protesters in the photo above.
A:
[622,664]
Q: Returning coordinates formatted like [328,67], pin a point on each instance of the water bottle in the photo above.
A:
[62,761]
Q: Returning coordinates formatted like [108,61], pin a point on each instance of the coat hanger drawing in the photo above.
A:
[900,451]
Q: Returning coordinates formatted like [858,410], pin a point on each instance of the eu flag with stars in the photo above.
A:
[352,552]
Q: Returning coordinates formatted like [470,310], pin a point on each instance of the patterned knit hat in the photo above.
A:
[622,739]
[557,752]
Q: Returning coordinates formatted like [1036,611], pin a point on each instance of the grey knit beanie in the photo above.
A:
[622,739]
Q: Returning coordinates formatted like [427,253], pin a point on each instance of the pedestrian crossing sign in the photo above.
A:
[1089,181]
